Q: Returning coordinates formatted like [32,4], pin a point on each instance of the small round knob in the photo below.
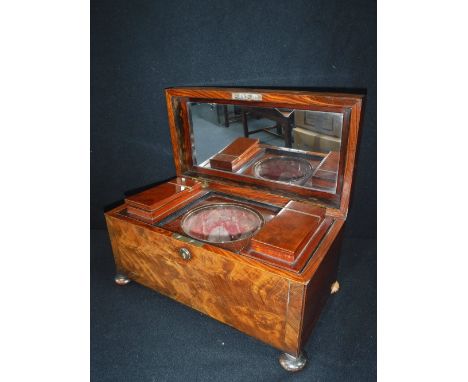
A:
[335,287]
[185,253]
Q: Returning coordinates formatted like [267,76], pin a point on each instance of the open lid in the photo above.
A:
[295,143]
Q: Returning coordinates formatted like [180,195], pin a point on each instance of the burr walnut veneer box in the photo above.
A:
[248,232]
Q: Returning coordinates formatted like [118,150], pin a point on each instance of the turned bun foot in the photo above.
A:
[335,287]
[121,279]
[291,363]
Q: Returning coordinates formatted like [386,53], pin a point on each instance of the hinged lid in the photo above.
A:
[297,143]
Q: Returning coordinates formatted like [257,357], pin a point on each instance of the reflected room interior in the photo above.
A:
[293,146]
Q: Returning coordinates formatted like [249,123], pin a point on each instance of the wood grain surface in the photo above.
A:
[348,104]
[254,292]
[233,156]
[285,236]
[234,293]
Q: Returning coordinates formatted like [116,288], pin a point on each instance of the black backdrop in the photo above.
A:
[140,47]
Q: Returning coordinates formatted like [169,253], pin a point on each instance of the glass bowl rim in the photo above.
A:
[284,157]
[215,205]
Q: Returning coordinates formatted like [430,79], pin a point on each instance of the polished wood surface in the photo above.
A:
[236,154]
[158,196]
[325,175]
[240,146]
[267,305]
[276,306]
[298,262]
[275,288]
[291,231]
[237,294]
[319,288]
[303,276]
[306,208]
[154,202]
[348,104]
[285,236]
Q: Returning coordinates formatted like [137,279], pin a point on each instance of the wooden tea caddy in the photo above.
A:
[274,285]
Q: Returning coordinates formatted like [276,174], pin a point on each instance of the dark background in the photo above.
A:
[138,48]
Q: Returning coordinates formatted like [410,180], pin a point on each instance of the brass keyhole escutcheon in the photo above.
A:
[185,253]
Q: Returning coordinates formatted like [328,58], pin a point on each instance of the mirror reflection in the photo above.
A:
[300,147]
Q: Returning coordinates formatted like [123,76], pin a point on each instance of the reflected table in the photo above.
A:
[283,126]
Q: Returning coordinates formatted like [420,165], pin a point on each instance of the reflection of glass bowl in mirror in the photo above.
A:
[283,169]
[222,223]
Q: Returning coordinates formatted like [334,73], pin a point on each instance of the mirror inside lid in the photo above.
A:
[291,146]
[287,141]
